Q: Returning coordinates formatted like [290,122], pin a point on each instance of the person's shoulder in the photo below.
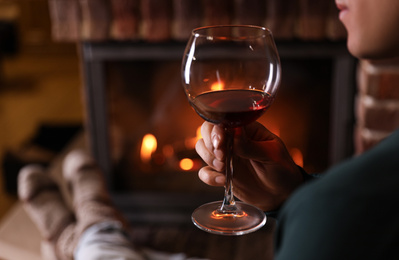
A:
[336,214]
[372,174]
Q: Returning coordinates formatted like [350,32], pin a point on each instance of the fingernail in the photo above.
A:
[220,180]
[216,141]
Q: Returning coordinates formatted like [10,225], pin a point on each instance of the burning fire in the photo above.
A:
[187,164]
[148,147]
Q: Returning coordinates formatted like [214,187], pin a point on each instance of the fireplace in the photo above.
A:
[143,131]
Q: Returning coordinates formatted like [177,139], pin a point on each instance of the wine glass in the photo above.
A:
[230,74]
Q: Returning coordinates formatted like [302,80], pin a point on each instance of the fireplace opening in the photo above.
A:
[153,129]
[142,130]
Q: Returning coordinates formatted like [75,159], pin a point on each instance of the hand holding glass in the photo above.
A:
[230,75]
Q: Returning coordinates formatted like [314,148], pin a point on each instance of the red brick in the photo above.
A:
[382,115]
[311,24]
[380,80]
[365,138]
[96,18]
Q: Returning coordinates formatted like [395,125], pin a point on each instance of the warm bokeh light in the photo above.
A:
[148,146]
[198,133]
[190,142]
[186,164]
[219,85]
[297,156]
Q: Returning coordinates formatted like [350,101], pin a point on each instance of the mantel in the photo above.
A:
[131,50]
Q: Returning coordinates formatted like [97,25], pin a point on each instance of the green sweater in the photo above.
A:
[352,212]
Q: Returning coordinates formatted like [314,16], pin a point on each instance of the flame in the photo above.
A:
[218,85]
[186,164]
[148,146]
[297,156]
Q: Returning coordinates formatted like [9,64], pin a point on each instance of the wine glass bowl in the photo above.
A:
[231,75]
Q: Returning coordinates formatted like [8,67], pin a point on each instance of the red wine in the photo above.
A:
[232,108]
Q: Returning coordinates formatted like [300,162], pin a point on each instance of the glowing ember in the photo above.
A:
[148,146]
[186,164]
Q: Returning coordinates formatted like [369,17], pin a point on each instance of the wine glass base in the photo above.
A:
[246,219]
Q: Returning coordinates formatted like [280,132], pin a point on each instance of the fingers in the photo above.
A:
[206,130]
[213,137]
[211,177]
[211,146]
[256,132]
[255,142]
[211,149]
[208,157]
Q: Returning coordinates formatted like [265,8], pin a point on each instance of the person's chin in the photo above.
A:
[353,48]
[363,53]
[359,50]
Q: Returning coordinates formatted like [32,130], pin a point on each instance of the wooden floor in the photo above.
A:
[35,89]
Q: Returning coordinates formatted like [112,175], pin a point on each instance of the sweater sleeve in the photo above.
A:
[306,178]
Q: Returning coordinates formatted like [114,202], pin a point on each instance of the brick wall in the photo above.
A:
[155,20]
[377,102]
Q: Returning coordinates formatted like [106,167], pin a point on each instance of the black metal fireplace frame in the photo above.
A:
[161,208]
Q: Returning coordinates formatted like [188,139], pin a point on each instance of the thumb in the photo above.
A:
[256,142]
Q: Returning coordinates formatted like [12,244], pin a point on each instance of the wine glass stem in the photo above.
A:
[228,201]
